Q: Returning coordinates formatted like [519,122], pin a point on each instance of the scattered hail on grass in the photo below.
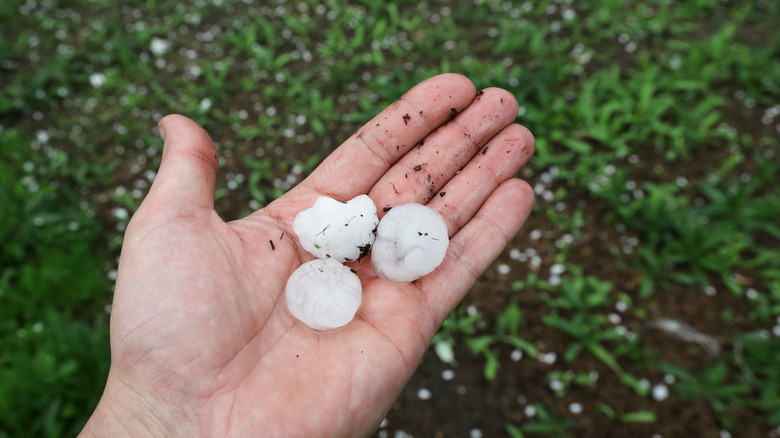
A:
[323,294]
[342,231]
[411,241]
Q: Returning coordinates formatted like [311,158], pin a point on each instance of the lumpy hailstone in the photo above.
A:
[411,241]
[342,231]
[323,294]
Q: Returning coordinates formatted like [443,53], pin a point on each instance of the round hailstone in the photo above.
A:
[660,392]
[323,294]
[411,241]
[342,231]
[548,358]
[424,394]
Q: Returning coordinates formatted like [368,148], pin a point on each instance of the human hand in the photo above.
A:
[201,341]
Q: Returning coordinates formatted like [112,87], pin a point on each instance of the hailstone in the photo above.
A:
[323,294]
[411,241]
[341,231]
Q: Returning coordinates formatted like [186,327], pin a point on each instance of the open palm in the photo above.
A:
[202,342]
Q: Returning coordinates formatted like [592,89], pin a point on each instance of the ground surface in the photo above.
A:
[641,299]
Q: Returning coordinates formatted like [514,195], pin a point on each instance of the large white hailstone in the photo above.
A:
[342,231]
[411,241]
[323,294]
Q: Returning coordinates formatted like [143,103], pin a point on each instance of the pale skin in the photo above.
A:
[201,341]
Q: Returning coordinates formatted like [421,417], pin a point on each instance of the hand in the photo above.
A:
[202,343]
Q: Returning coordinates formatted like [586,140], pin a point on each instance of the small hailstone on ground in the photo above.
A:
[342,231]
[159,46]
[516,355]
[120,213]
[444,351]
[575,408]
[323,294]
[97,79]
[548,358]
[557,269]
[556,385]
[660,392]
[424,394]
[504,269]
[411,241]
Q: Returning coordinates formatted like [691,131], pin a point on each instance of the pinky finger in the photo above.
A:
[476,246]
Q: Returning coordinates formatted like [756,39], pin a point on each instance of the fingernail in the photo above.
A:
[162,132]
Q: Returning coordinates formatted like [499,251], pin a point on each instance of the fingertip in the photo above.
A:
[187,173]
[524,193]
[459,80]
[528,138]
[181,134]
[508,207]
[185,128]
[504,98]
[520,187]
[445,92]
[512,149]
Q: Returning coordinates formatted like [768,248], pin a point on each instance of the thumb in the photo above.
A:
[188,170]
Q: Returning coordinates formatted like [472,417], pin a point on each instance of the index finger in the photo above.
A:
[363,159]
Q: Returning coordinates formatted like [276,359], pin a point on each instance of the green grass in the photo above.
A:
[53,284]
[653,122]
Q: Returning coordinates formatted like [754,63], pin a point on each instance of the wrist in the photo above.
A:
[126,410]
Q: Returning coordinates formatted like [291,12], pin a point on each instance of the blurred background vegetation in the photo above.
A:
[643,296]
